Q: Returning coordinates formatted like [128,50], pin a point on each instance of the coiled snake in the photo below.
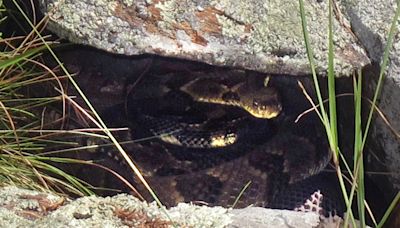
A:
[212,135]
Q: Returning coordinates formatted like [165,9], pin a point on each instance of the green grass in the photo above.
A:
[329,119]
[24,157]
[94,118]
[21,68]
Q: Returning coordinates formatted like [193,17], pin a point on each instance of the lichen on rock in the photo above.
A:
[263,36]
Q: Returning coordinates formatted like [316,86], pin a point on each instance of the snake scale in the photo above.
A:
[207,138]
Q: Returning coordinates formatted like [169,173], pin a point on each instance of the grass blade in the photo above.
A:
[17,59]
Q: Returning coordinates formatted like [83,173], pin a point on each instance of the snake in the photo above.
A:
[228,140]
[258,100]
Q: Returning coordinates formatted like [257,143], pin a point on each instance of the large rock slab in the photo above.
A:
[265,36]
[25,208]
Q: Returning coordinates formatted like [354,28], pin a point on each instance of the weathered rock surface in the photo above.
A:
[24,208]
[265,36]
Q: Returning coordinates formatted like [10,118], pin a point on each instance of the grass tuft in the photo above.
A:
[330,121]
[21,69]
[95,117]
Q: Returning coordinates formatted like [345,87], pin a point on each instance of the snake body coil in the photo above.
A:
[223,133]
[259,100]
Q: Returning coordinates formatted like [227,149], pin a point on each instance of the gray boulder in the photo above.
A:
[264,36]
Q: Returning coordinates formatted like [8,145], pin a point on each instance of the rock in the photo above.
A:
[25,208]
[117,211]
[261,217]
[250,34]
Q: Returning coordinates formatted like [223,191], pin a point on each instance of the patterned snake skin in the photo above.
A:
[278,160]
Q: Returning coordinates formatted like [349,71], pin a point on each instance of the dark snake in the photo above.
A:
[216,134]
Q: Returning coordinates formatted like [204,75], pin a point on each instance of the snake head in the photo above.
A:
[264,103]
